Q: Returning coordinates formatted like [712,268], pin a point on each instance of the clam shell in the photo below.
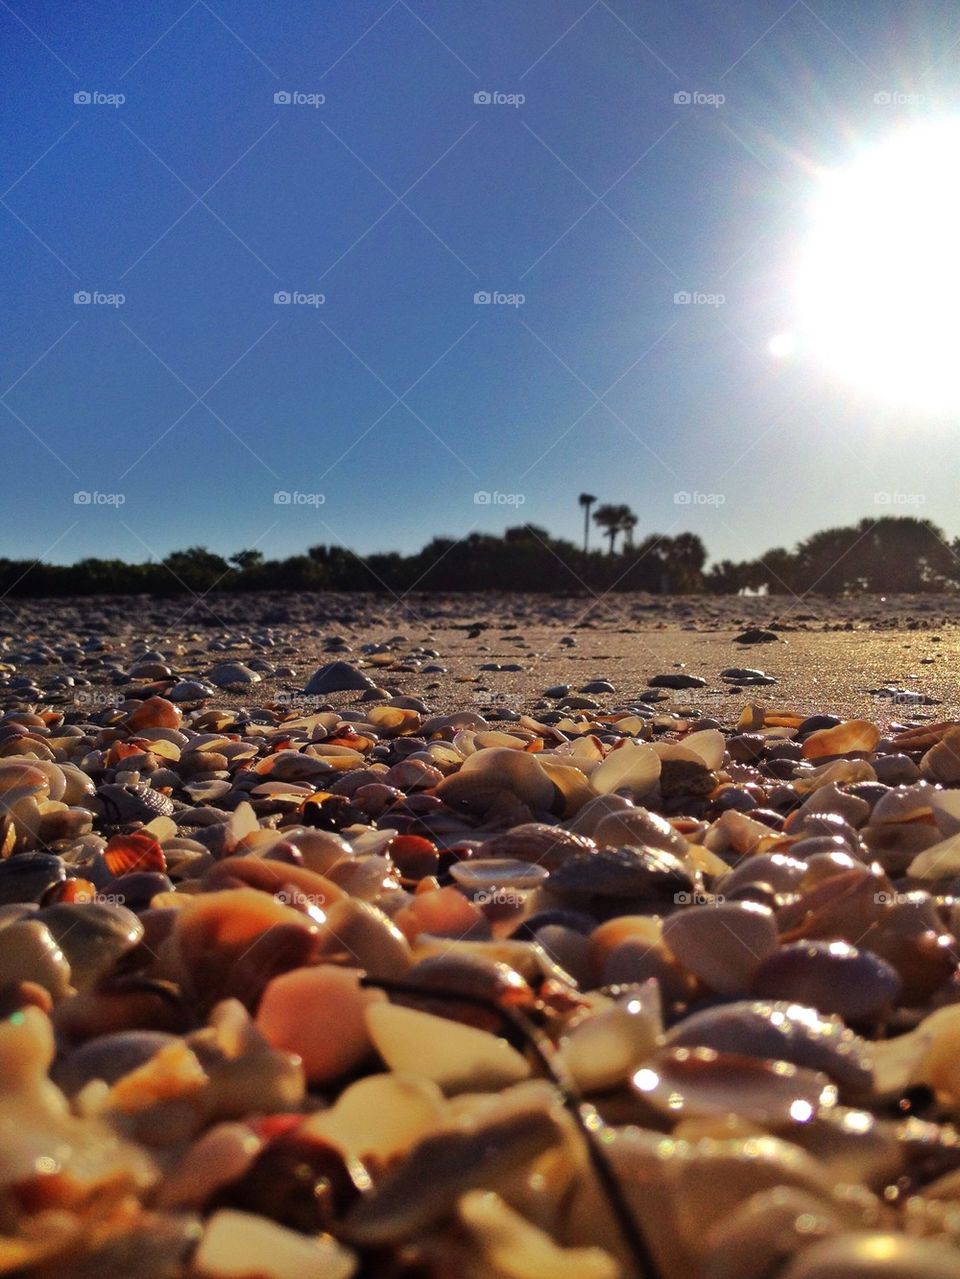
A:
[723,944]
[681,1082]
[632,766]
[781,1031]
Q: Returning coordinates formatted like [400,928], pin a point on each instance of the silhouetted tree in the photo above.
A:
[586,500]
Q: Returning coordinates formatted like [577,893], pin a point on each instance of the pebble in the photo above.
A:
[676,680]
[337,677]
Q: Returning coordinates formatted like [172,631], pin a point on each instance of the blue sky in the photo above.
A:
[597,198]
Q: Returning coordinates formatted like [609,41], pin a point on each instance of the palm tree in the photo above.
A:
[614,519]
[628,524]
[586,501]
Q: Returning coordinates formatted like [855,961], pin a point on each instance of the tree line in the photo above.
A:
[890,555]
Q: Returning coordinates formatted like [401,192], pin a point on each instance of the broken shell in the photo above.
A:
[236,1245]
[875,1256]
[458,1058]
[852,736]
[382,1116]
[510,1246]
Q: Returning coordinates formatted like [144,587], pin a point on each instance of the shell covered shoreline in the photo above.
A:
[342,982]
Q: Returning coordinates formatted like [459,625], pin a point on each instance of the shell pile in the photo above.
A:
[312,993]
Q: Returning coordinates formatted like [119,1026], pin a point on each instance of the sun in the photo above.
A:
[879,274]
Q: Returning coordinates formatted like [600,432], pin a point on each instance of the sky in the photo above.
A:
[388,166]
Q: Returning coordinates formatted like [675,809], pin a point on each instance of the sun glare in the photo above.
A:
[879,278]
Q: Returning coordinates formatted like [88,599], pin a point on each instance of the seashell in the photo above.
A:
[832,977]
[319,1014]
[357,931]
[842,772]
[680,1191]
[766,1230]
[941,763]
[738,833]
[487,774]
[842,907]
[573,788]
[337,677]
[681,1082]
[155,712]
[28,952]
[294,885]
[441,912]
[222,1155]
[603,1048]
[425,1186]
[782,871]
[487,874]
[724,944]
[631,766]
[587,819]
[109,1057]
[190,691]
[26,877]
[830,799]
[941,861]
[546,846]
[509,1245]
[640,826]
[852,736]
[781,1031]
[138,852]
[394,721]
[474,976]
[874,1256]
[637,873]
[134,803]
[232,675]
[380,1117]
[232,943]
[38,1127]
[236,1245]
[94,936]
[456,1057]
